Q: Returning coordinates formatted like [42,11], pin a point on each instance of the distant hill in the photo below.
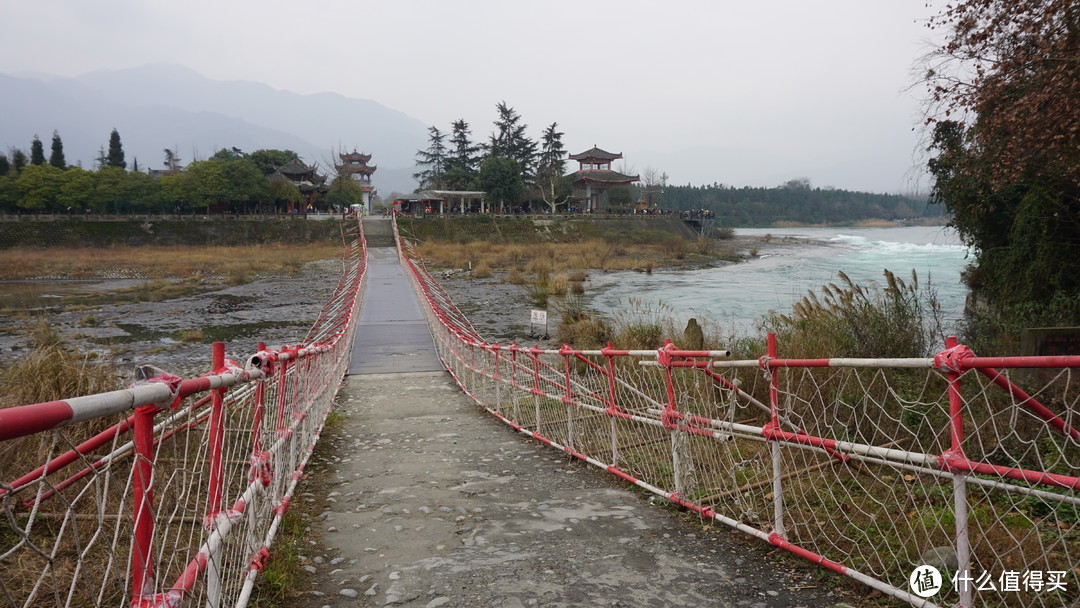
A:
[162,106]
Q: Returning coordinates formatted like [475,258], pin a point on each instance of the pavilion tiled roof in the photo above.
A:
[604,177]
[357,169]
[295,167]
[355,157]
[596,153]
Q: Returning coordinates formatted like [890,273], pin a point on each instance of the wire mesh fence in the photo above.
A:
[875,468]
[170,491]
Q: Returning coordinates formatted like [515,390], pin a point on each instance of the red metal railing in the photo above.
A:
[187,508]
[868,467]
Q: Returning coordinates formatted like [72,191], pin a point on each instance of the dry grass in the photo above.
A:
[481,271]
[559,285]
[154,262]
[191,335]
[52,370]
[514,277]
[545,259]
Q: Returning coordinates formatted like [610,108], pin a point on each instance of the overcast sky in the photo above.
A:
[756,91]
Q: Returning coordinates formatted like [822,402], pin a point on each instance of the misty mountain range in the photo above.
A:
[162,106]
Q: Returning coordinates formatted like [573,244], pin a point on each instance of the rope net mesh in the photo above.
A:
[184,510]
[854,467]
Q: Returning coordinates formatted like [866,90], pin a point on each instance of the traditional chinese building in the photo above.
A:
[306,179]
[355,165]
[595,176]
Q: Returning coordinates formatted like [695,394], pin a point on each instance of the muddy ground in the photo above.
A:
[173,334]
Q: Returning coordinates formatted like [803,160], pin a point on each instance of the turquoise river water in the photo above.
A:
[796,260]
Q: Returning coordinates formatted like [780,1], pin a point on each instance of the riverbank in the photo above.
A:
[501,311]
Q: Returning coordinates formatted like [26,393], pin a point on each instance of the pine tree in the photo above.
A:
[553,188]
[464,153]
[552,152]
[56,159]
[115,157]
[37,152]
[18,160]
[5,166]
[510,141]
[433,160]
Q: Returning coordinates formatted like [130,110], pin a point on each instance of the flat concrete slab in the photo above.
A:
[392,335]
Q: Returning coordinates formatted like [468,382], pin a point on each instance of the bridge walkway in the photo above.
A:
[425,500]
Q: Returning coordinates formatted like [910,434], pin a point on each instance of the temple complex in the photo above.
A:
[355,165]
[595,176]
[306,179]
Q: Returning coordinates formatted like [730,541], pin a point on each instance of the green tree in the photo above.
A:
[460,178]
[9,193]
[246,185]
[554,190]
[38,187]
[501,178]
[619,196]
[268,160]
[37,152]
[344,191]
[175,192]
[56,158]
[463,153]
[510,141]
[172,162]
[144,193]
[432,160]
[552,151]
[76,189]
[206,183]
[1006,158]
[5,166]
[115,157]
[112,193]
[228,154]
[287,192]
[18,160]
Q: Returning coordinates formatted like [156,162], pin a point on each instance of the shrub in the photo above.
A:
[191,335]
[703,245]
[538,293]
[579,327]
[558,285]
[640,336]
[514,277]
[850,320]
[481,271]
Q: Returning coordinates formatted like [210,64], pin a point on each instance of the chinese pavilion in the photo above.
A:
[305,178]
[594,176]
[355,165]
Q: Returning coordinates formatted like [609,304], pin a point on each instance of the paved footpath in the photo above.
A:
[429,501]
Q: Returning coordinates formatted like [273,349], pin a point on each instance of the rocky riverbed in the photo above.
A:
[173,334]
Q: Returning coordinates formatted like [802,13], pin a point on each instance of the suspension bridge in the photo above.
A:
[171,492]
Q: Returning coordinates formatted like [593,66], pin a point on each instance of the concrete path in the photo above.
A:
[425,500]
[392,335]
